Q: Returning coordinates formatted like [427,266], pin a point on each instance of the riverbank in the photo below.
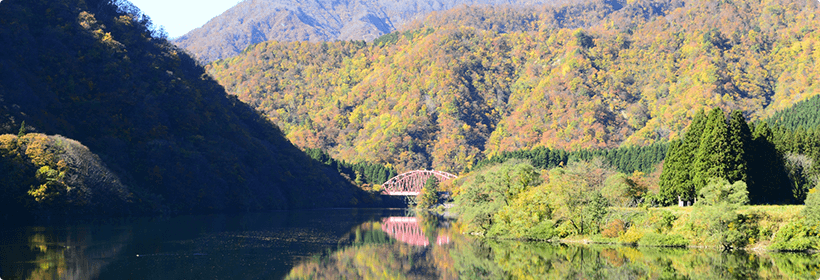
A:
[758,228]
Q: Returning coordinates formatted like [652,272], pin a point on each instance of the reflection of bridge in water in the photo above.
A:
[410,183]
[407,230]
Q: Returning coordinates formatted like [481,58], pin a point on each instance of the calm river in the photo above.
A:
[347,243]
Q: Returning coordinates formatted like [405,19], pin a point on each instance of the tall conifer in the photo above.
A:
[712,157]
[675,180]
[676,177]
[740,138]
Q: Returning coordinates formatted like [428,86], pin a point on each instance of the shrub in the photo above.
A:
[631,236]
[614,229]
[796,236]
[662,220]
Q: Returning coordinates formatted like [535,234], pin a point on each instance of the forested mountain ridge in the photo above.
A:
[458,87]
[92,71]
[256,21]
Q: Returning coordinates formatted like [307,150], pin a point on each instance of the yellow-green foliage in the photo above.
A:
[462,89]
[561,207]
[54,172]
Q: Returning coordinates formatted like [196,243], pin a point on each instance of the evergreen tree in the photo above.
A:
[768,181]
[740,138]
[675,180]
[22,131]
[676,177]
[712,157]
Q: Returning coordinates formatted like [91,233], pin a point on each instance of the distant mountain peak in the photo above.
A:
[256,21]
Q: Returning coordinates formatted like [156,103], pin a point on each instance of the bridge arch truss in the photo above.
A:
[411,182]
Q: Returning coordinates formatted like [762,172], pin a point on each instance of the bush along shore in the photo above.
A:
[589,202]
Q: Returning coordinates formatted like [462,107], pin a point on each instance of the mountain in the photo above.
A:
[91,71]
[473,82]
[256,21]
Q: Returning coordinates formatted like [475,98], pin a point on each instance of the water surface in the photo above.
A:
[348,243]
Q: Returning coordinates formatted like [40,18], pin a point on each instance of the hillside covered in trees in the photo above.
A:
[256,21]
[474,82]
[160,133]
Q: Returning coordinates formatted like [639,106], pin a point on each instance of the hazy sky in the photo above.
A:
[169,13]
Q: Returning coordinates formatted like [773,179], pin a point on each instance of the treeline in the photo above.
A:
[488,80]
[360,173]
[777,164]
[626,159]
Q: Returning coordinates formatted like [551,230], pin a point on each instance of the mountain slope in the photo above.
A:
[805,114]
[91,71]
[459,87]
[256,21]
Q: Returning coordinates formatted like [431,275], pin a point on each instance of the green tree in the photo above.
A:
[22,131]
[768,181]
[487,191]
[428,197]
[678,168]
[718,205]
[675,177]
[740,138]
[812,210]
[712,157]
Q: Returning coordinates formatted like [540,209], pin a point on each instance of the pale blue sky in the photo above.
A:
[180,16]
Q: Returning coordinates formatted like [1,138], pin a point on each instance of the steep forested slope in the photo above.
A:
[256,21]
[805,114]
[91,71]
[463,85]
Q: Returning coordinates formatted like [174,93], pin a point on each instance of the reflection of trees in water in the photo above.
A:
[69,253]
[375,254]
[372,253]
[534,260]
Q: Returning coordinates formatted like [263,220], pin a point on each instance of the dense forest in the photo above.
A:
[626,159]
[256,21]
[474,82]
[777,164]
[130,105]
[804,114]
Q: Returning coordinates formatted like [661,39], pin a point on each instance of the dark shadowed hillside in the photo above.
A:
[91,71]
[256,21]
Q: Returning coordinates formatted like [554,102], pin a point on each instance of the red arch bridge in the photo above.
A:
[411,182]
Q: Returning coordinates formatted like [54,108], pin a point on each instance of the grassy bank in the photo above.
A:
[770,227]
[585,202]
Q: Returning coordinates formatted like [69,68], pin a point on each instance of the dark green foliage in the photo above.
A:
[740,140]
[679,171]
[95,72]
[712,156]
[768,182]
[675,178]
[731,151]
[625,159]
[805,114]
[365,172]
